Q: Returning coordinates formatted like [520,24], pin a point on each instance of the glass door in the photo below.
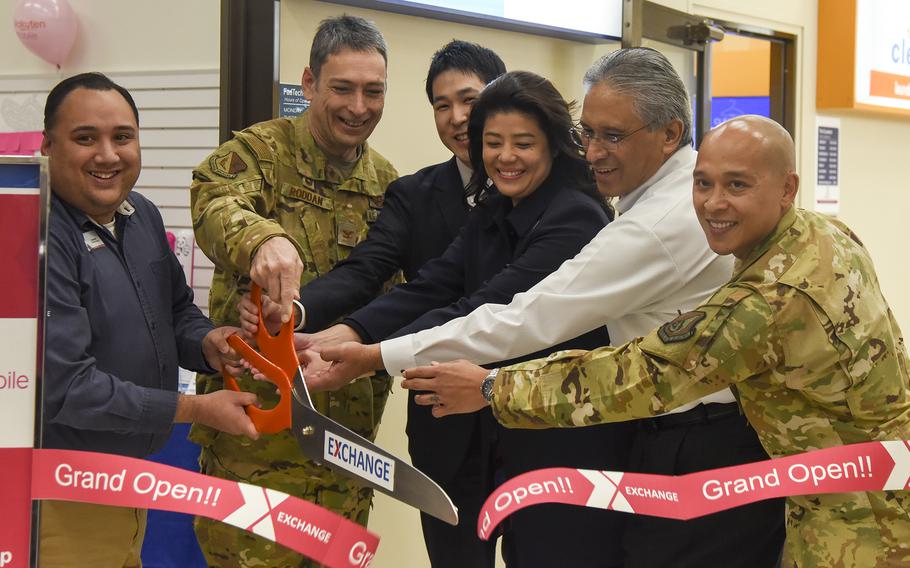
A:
[730,69]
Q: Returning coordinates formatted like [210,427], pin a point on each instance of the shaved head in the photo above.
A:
[745,181]
[766,136]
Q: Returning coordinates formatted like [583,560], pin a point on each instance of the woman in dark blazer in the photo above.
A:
[538,208]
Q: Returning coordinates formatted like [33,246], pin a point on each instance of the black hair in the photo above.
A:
[93,81]
[345,32]
[466,57]
[535,96]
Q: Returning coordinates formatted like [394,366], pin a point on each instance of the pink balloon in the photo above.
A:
[47,28]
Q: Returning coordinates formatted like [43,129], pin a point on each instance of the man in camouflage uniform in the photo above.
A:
[280,204]
[802,332]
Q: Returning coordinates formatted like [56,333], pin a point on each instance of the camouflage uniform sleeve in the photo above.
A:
[726,340]
[231,199]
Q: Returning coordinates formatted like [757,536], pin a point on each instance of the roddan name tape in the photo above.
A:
[89,477]
[359,460]
[870,466]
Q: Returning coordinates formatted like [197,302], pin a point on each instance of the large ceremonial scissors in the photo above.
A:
[320,438]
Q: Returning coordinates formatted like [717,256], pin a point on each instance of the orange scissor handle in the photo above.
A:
[278,365]
[279,349]
[266,421]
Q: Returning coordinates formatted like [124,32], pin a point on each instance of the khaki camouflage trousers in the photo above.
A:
[274,461]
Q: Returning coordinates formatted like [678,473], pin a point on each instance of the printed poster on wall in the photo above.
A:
[827,165]
[290,100]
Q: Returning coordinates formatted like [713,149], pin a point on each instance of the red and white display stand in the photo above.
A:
[23,218]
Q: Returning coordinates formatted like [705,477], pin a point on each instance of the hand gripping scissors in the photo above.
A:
[320,438]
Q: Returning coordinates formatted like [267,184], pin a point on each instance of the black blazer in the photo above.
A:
[421,215]
[500,251]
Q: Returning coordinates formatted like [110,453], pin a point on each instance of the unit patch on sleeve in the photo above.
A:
[227,165]
[681,328]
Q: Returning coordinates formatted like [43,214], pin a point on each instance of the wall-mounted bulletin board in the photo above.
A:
[864,56]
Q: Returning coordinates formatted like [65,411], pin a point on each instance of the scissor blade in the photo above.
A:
[300,390]
[346,452]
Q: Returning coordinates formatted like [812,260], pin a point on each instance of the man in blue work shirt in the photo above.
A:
[120,319]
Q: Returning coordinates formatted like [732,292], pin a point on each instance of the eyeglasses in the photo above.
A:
[582,136]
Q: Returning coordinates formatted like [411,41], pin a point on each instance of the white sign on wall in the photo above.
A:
[827,165]
[883,53]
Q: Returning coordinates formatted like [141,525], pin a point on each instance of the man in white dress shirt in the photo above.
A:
[639,272]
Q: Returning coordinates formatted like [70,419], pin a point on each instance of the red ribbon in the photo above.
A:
[89,477]
[870,466]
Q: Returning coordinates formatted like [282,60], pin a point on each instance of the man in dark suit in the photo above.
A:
[421,215]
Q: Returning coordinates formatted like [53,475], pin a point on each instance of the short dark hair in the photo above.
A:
[530,94]
[345,32]
[93,81]
[466,57]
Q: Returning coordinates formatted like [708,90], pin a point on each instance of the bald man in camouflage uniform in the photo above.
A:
[802,333]
[281,204]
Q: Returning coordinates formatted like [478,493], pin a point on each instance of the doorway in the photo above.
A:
[730,69]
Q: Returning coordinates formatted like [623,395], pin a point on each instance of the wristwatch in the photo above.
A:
[302,321]
[486,387]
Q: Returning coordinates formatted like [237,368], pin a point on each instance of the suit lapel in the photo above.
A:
[450,196]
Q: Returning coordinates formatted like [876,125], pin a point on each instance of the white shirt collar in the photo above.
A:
[126,208]
[679,158]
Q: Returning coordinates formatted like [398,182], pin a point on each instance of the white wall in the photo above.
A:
[126,35]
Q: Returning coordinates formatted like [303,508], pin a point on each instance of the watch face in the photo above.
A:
[486,388]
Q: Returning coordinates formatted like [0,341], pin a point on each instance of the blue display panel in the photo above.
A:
[725,108]
[20,175]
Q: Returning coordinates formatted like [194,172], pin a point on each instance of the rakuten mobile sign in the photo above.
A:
[14,380]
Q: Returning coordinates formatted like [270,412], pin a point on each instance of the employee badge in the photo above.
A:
[92,240]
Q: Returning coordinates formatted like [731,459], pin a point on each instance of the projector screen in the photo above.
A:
[579,19]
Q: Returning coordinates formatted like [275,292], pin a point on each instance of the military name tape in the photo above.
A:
[311,530]
[870,466]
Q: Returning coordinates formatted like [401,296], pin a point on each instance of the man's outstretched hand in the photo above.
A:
[450,388]
[218,353]
[249,316]
[349,361]
[222,410]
